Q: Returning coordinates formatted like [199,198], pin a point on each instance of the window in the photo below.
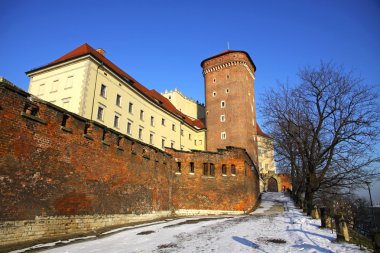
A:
[205,169]
[195,142]
[214,80]
[163,122]
[191,167]
[151,138]
[179,170]
[163,143]
[118,100]
[200,142]
[228,76]
[227,90]
[212,170]
[152,121]
[54,86]
[103,90]
[173,127]
[233,170]
[181,132]
[130,108]
[222,118]
[142,115]
[100,113]
[223,136]
[129,127]
[116,121]
[222,104]
[41,89]
[172,144]
[224,169]
[66,103]
[69,82]
[140,133]
[189,136]
[214,93]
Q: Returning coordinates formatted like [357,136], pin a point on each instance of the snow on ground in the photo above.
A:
[276,226]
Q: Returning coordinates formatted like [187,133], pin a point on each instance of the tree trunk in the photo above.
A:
[309,199]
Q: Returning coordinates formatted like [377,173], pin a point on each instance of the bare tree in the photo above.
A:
[324,129]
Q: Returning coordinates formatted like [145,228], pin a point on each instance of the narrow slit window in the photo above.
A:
[205,169]
[191,167]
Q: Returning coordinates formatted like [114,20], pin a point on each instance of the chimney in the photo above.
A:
[101,51]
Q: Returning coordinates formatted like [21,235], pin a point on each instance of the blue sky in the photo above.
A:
[161,43]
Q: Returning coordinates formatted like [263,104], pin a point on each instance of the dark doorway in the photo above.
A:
[272,185]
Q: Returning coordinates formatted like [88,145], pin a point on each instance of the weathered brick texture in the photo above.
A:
[62,174]
[197,191]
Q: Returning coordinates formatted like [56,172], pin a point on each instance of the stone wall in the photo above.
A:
[63,175]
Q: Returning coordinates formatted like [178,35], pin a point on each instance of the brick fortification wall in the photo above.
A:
[235,190]
[63,175]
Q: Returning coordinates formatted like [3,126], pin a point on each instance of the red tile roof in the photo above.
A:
[153,95]
[260,132]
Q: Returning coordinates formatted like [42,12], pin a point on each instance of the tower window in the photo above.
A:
[223,136]
[214,93]
[227,90]
[222,104]
[228,76]
[222,118]
[214,80]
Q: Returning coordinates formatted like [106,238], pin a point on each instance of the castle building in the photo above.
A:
[186,105]
[85,82]
[90,147]
[230,101]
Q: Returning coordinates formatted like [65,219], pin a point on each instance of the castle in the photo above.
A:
[90,147]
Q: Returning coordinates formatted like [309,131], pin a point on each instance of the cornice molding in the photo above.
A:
[226,65]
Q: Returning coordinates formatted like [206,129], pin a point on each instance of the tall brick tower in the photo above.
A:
[230,101]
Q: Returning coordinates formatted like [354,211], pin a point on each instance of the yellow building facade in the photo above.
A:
[267,166]
[85,82]
[191,108]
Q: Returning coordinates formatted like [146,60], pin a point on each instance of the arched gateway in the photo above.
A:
[272,185]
